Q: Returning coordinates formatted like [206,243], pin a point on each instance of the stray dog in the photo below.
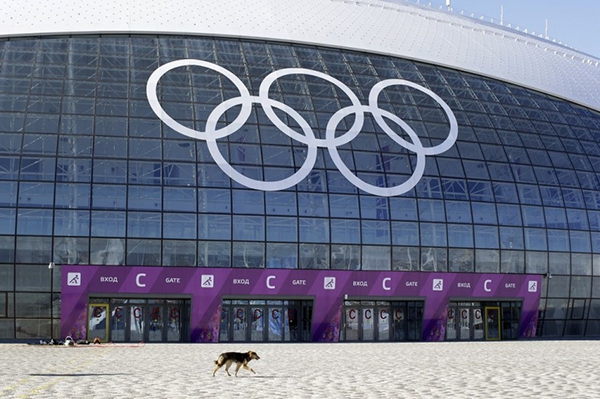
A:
[240,359]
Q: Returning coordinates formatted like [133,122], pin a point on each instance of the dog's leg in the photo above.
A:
[248,368]
[216,368]
[238,367]
[227,367]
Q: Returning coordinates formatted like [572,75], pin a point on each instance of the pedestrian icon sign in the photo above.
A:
[532,286]
[207,281]
[438,284]
[329,283]
[74,279]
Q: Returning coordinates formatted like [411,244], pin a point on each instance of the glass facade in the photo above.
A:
[90,175]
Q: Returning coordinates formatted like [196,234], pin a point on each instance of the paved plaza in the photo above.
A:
[511,369]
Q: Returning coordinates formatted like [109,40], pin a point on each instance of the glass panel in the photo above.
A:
[117,323]
[282,229]
[368,322]
[213,227]
[314,256]
[257,326]
[137,323]
[460,236]
[351,314]
[383,323]
[487,261]
[282,256]
[376,258]
[240,323]
[276,322]
[214,253]
[464,315]
[451,332]
[249,228]
[156,324]
[248,254]
[477,323]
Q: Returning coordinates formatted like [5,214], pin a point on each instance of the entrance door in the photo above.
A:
[492,323]
[175,322]
[382,321]
[139,320]
[490,320]
[97,322]
[258,320]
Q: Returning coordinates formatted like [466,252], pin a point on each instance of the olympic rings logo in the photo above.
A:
[330,142]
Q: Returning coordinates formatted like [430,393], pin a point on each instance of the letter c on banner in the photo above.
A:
[138,278]
[352,314]
[269,286]
[118,313]
[368,314]
[399,315]
[275,314]
[383,314]
[384,285]
[98,311]
[240,313]
[137,313]
[485,285]
[257,314]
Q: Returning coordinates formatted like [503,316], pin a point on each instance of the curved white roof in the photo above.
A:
[399,29]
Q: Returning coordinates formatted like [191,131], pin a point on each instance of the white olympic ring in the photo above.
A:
[331,142]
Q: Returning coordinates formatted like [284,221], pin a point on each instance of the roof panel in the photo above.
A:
[398,29]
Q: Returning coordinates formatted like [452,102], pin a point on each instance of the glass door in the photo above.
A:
[239,323]
[174,325]
[464,323]
[351,314]
[492,324]
[156,323]
[97,322]
[399,323]
[368,330]
[117,323]
[383,322]
[275,316]
[451,323]
[256,328]
[136,322]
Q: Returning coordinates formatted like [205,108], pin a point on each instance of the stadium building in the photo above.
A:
[316,170]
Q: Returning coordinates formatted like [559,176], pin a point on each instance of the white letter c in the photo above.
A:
[137,280]
[485,285]
[384,285]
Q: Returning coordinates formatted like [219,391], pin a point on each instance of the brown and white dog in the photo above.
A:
[240,359]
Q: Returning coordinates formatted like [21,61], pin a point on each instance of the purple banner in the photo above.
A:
[327,288]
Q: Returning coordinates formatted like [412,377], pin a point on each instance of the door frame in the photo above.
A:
[92,308]
[498,322]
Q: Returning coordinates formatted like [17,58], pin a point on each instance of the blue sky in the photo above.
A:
[572,22]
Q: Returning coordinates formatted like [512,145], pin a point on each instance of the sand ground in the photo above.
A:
[511,369]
